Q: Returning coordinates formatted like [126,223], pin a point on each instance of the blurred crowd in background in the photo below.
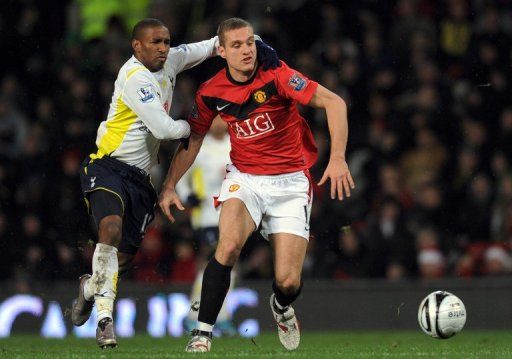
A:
[428,87]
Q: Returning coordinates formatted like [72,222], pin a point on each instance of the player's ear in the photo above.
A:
[222,51]
[136,45]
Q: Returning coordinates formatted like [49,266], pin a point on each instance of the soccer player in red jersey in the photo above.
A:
[267,185]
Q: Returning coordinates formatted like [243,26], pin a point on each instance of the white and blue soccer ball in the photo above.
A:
[442,315]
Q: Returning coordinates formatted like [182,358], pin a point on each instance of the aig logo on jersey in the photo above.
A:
[146,94]
[253,126]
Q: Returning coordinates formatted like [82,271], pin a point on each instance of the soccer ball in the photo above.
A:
[441,315]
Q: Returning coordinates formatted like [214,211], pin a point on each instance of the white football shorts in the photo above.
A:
[280,203]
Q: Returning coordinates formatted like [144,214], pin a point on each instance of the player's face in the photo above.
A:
[152,47]
[239,50]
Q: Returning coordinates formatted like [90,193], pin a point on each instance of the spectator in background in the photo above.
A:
[424,163]
[13,130]
[501,216]
[503,134]
[7,257]
[430,257]
[151,261]
[389,241]
[455,37]
[497,261]
[354,259]
[474,216]
[183,265]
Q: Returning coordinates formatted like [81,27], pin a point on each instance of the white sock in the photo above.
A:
[88,290]
[103,282]
[205,327]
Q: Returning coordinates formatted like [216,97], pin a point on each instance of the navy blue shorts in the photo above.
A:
[128,184]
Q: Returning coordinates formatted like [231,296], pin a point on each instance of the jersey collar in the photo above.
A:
[242,83]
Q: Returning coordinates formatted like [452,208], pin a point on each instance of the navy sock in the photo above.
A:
[216,281]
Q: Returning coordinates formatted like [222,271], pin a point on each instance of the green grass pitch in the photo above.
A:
[468,344]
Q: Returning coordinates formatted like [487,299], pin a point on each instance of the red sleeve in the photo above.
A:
[294,85]
[201,117]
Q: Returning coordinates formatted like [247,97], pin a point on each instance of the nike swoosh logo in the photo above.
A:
[222,107]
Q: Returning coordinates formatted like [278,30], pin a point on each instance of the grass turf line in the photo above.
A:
[364,344]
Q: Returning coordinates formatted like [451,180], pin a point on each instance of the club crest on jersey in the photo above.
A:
[234,188]
[146,94]
[259,96]
[296,82]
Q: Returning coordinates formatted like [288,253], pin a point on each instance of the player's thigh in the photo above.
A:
[107,211]
[138,215]
[289,207]
[289,251]
[103,190]
[235,225]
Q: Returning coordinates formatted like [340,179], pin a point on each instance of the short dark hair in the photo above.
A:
[144,24]
[233,23]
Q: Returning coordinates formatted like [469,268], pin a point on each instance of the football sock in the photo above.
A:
[88,290]
[216,280]
[282,300]
[103,282]
[224,314]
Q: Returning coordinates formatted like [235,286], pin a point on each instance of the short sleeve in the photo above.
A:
[201,117]
[294,85]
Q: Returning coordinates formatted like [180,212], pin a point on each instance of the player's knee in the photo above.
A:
[288,284]
[227,253]
[110,232]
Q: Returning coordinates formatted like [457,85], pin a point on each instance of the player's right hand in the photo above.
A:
[168,198]
[341,180]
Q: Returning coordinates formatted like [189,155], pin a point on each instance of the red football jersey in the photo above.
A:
[268,135]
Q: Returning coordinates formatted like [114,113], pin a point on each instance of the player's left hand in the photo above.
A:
[267,56]
[341,179]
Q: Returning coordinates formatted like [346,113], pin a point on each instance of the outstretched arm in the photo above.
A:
[185,56]
[181,162]
[337,169]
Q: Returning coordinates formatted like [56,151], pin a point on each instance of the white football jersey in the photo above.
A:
[138,118]
[204,179]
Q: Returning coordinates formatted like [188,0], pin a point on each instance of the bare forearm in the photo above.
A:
[336,111]
[181,162]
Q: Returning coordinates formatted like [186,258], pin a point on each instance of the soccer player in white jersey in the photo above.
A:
[114,179]
[268,185]
[198,188]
